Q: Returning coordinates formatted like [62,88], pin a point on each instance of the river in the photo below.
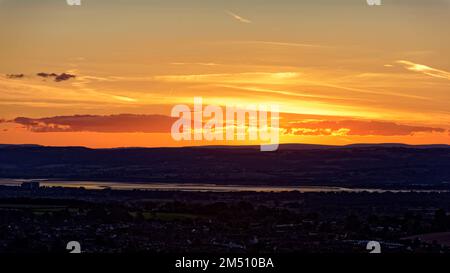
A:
[204,187]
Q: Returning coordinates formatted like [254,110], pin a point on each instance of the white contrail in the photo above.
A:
[427,70]
[239,18]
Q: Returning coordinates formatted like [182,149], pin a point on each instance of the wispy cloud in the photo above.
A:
[287,93]
[225,78]
[239,18]
[356,127]
[123,98]
[282,44]
[30,91]
[427,70]
[202,64]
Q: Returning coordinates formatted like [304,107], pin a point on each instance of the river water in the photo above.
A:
[193,187]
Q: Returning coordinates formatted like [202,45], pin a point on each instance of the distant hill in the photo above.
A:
[358,165]
[391,145]
[296,146]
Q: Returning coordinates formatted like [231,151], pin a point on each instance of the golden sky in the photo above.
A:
[341,71]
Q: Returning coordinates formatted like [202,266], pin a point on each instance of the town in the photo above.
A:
[36,219]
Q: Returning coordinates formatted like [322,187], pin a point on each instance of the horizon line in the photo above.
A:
[352,145]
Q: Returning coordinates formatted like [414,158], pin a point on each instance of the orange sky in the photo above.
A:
[342,72]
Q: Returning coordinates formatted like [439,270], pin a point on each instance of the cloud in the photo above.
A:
[15,76]
[297,94]
[57,78]
[433,72]
[355,127]
[290,124]
[46,75]
[121,123]
[247,77]
[123,98]
[282,44]
[202,64]
[239,18]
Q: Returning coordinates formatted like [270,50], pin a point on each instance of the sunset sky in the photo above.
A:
[341,71]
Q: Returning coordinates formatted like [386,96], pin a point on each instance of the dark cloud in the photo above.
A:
[15,76]
[295,125]
[46,75]
[56,77]
[356,127]
[92,123]
[64,77]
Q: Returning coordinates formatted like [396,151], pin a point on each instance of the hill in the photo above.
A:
[380,166]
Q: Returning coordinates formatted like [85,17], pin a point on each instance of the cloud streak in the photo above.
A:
[239,18]
[356,128]
[280,44]
[247,77]
[202,64]
[427,70]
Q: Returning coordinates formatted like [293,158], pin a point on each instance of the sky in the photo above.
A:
[107,73]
